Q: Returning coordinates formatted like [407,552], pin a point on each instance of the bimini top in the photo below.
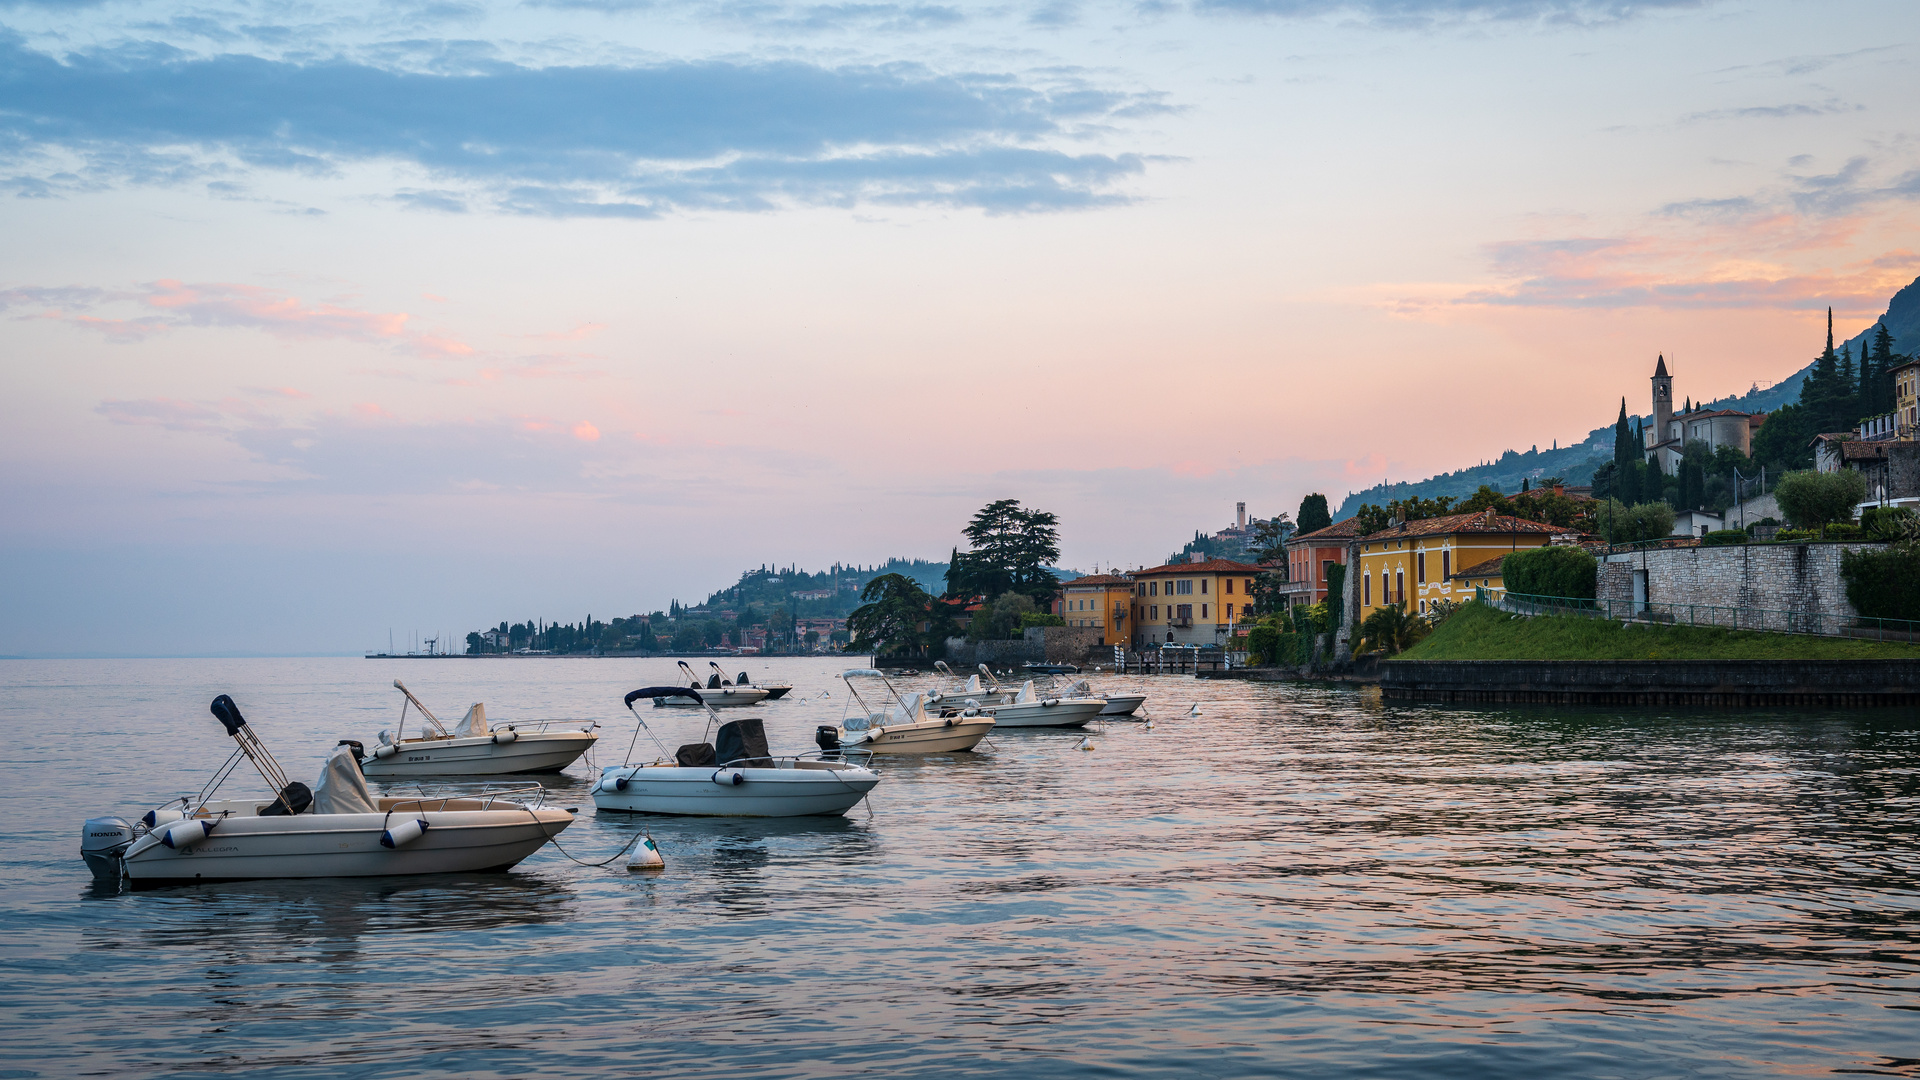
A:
[863,672]
[663,691]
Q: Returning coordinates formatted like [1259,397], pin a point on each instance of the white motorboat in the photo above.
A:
[1030,710]
[968,694]
[335,829]
[1118,704]
[734,776]
[775,690]
[473,748]
[717,694]
[901,724]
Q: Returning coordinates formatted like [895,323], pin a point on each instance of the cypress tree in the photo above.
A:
[1883,361]
[1622,441]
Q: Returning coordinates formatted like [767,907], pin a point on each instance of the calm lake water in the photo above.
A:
[1298,881]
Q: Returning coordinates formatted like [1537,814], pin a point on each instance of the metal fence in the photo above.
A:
[1730,618]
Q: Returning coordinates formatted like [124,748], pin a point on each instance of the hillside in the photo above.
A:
[1576,463]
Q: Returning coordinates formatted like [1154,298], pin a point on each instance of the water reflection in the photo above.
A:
[1299,881]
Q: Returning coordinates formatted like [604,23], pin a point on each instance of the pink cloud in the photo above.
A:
[586,432]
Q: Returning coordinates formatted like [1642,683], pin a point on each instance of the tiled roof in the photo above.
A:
[1699,415]
[1490,568]
[1483,522]
[1863,450]
[1339,530]
[1833,436]
[1097,579]
[1211,566]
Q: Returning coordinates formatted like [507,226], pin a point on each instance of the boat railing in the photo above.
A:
[486,798]
[850,757]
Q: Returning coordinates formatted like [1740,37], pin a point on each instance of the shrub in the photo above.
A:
[1391,628]
[1550,571]
[1622,524]
[1886,522]
[1844,532]
[1723,537]
[1883,583]
[1814,499]
[1041,618]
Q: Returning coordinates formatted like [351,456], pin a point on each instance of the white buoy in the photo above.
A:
[645,857]
[1086,742]
[1149,725]
[1194,709]
[404,833]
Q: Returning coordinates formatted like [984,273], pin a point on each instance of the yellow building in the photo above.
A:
[1413,564]
[1104,601]
[1191,603]
[1906,398]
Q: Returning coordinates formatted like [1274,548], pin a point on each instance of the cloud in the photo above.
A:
[586,432]
[174,305]
[584,141]
[1774,112]
[1430,12]
[163,413]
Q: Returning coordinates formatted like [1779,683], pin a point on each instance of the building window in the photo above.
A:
[1153,612]
[1154,588]
[1399,586]
[1366,590]
[1185,612]
[1446,564]
[1420,567]
[1249,587]
[1203,585]
[1226,585]
[1203,611]
[1229,613]
[1423,607]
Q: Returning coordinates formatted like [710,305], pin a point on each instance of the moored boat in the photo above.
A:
[334,829]
[717,694]
[475,748]
[902,724]
[733,776]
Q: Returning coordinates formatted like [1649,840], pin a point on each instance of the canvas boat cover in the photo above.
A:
[1026,694]
[342,789]
[905,711]
[742,742]
[475,723]
[973,684]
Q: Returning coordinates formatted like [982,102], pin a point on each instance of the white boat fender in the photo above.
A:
[619,782]
[404,833]
[384,751]
[183,834]
[1050,703]
[646,857]
[154,819]
[729,777]
[502,738]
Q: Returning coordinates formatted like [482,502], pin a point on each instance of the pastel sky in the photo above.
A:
[323,320]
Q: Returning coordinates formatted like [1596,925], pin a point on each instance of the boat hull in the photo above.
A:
[1062,713]
[1123,704]
[346,845]
[530,752]
[731,697]
[932,737]
[822,790]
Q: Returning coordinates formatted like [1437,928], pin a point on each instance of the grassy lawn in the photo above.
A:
[1478,632]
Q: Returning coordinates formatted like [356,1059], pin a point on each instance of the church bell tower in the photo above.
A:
[1662,404]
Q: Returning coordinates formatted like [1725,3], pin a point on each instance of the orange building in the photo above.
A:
[1413,563]
[1099,600]
[1309,555]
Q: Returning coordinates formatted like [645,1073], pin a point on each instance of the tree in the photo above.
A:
[897,618]
[1816,500]
[1623,524]
[1010,548]
[1313,515]
[1694,458]
[1879,387]
[1392,628]
[1487,499]
[1624,450]
[1001,618]
[1550,571]
[1783,442]
[1269,538]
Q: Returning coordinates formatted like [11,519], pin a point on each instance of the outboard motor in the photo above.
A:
[102,841]
[828,738]
[359,749]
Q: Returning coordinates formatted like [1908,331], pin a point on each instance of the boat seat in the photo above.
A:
[694,755]
[713,682]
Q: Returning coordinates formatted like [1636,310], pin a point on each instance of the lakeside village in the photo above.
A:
[1716,529]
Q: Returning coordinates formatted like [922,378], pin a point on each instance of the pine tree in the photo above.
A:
[1623,448]
[1883,360]
[1822,393]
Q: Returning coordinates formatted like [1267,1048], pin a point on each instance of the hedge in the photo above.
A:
[1550,571]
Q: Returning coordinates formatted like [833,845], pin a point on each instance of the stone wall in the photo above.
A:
[1776,577]
[1041,645]
[1724,683]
